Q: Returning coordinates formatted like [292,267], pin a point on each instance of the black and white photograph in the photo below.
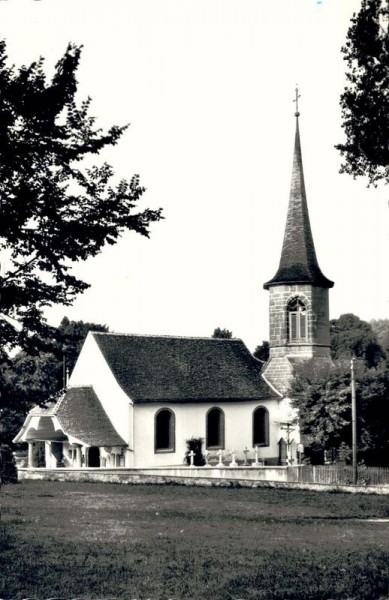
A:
[194,300]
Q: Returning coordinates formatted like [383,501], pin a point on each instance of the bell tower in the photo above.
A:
[298,292]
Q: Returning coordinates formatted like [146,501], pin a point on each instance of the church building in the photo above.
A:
[134,400]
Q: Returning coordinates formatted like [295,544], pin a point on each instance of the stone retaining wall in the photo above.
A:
[274,477]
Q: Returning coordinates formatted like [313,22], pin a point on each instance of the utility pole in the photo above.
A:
[354,423]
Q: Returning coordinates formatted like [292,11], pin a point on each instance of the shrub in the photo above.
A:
[39,454]
[8,471]
[195,445]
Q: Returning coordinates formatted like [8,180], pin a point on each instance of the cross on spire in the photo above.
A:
[297,114]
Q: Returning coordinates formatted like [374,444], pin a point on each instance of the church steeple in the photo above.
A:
[298,264]
[299,324]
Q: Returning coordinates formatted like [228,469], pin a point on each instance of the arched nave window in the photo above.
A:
[215,428]
[164,428]
[297,320]
[261,426]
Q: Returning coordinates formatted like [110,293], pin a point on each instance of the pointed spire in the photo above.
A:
[298,262]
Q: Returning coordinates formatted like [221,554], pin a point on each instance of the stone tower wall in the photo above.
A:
[318,338]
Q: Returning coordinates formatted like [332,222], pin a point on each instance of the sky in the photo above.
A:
[208,87]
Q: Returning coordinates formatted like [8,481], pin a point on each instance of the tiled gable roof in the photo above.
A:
[48,409]
[298,262]
[174,369]
[82,416]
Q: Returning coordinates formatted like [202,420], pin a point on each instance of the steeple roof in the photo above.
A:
[298,262]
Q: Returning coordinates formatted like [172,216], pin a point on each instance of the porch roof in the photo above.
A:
[77,415]
[82,416]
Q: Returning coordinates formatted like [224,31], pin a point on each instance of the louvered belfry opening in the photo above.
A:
[297,320]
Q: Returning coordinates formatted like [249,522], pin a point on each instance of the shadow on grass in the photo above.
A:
[339,576]
[167,570]
[99,541]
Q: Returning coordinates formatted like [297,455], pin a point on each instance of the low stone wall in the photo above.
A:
[158,474]
[275,477]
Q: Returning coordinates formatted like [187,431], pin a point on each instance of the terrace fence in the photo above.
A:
[338,475]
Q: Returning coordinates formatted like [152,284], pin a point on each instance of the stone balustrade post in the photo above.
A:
[245,452]
[256,451]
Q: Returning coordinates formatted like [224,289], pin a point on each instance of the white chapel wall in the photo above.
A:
[92,369]
[190,420]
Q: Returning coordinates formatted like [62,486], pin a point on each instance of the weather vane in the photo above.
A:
[297,114]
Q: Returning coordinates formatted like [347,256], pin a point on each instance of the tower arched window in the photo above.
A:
[297,320]
[164,430]
[215,428]
[261,426]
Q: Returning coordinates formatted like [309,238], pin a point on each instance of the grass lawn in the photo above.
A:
[91,540]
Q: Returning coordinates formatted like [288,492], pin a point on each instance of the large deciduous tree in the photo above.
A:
[321,392]
[322,395]
[365,100]
[56,206]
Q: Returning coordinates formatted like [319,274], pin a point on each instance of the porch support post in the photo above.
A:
[48,455]
[78,456]
[30,455]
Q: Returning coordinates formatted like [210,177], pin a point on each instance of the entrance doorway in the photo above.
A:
[94,456]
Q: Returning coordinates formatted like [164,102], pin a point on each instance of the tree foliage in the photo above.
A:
[321,391]
[27,380]
[222,333]
[365,101]
[8,471]
[262,352]
[381,330]
[56,207]
[322,394]
[69,338]
[350,336]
